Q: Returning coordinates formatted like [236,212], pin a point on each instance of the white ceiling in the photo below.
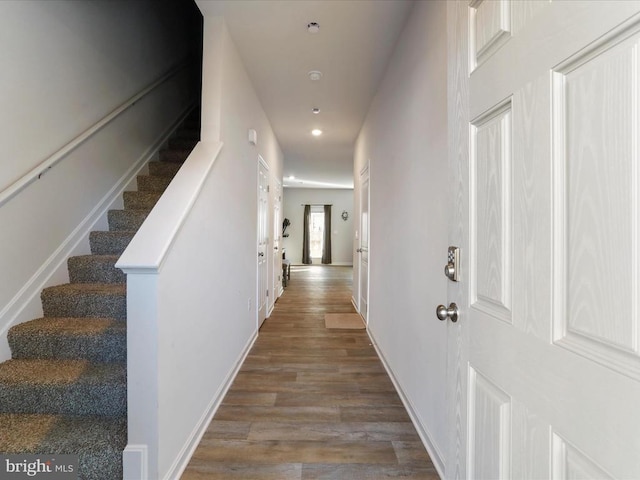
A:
[352,49]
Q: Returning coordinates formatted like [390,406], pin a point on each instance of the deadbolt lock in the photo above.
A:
[452,268]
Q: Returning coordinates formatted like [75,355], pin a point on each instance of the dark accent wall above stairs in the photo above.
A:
[64,390]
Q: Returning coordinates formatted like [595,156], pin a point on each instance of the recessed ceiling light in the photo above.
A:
[316,132]
[315,75]
[313,27]
[315,110]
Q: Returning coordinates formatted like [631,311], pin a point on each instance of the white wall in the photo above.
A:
[341,231]
[193,280]
[65,66]
[404,138]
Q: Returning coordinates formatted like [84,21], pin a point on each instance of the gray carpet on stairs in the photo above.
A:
[65,389]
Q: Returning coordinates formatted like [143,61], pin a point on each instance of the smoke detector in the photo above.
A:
[315,110]
[315,75]
[313,27]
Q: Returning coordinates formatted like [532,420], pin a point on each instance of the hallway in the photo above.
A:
[309,402]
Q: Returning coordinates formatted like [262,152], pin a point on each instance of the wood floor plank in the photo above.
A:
[281,451]
[293,414]
[311,402]
[228,430]
[241,471]
[367,472]
[324,399]
[342,431]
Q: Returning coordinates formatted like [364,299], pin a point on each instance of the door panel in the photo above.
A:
[596,214]
[547,354]
[490,215]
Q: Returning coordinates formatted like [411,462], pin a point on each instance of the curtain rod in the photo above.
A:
[316,204]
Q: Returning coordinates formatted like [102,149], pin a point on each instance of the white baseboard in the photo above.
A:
[434,453]
[182,460]
[135,462]
[26,304]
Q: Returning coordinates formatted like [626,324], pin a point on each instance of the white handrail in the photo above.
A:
[40,169]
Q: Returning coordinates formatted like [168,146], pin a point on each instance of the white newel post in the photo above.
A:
[140,458]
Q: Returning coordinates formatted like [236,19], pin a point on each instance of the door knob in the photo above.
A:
[451,312]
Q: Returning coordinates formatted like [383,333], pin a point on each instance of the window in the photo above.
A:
[316,233]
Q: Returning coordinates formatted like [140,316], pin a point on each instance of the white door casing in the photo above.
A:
[263,239]
[363,250]
[545,357]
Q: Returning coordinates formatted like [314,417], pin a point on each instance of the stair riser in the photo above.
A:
[110,347]
[109,243]
[93,269]
[176,156]
[85,305]
[126,220]
[192,134]
[98,441]
[148,183]
[182,143]
[105,466]
[164,169]
[70,399]
[140,200]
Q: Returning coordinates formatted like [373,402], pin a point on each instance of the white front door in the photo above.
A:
[263,239]
[363,250]
[545,360]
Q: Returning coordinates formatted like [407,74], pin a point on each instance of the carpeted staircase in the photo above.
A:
[65,389]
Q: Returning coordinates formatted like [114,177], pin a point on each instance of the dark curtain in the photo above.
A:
[306,248]
[326,239]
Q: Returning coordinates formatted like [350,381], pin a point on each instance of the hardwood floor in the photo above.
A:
[309,402]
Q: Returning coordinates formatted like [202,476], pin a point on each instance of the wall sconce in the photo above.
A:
[344,215]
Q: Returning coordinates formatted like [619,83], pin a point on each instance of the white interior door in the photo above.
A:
[363,250]
[277,253]
[263,238]
[544,159]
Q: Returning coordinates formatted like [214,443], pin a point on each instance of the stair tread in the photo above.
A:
[69,326]
[65,372]
[88,288]
[102,258]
